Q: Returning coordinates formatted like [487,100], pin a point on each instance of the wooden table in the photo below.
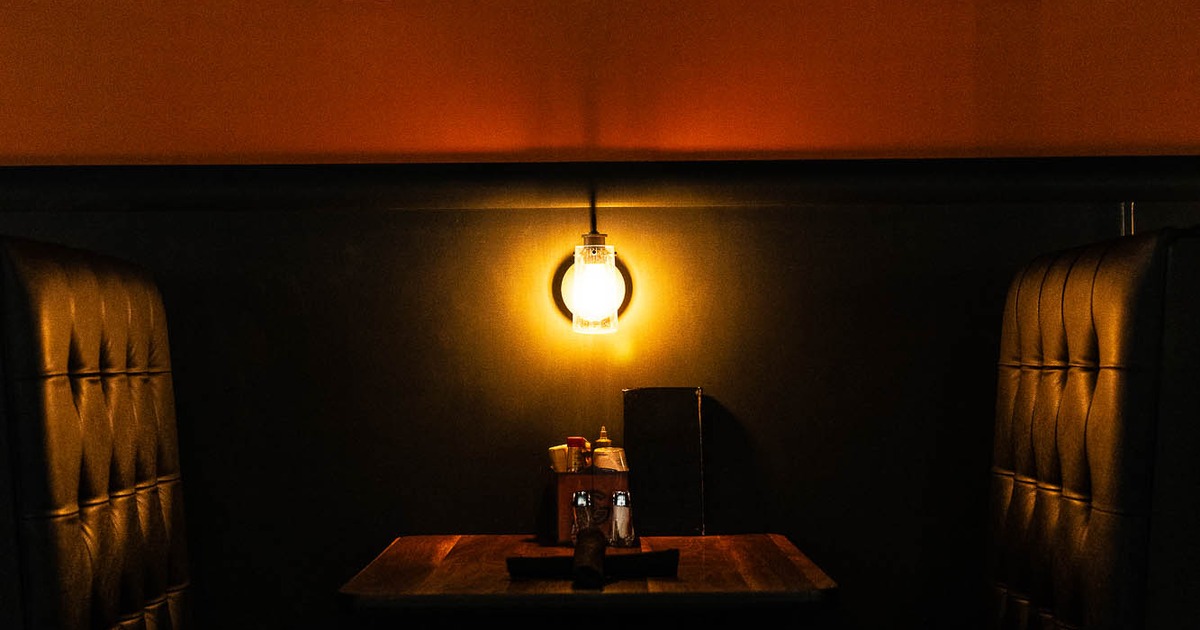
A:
[429,577]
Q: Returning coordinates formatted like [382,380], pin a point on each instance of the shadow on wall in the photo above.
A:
[735,500]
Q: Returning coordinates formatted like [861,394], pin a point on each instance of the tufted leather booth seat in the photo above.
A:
[1095,499]
[91,512]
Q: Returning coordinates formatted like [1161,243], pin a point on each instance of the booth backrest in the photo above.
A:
[1095,498]
[91,510]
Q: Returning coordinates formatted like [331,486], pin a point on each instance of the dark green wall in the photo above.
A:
[366,352]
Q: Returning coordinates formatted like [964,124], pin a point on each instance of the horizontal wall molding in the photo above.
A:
[484,186]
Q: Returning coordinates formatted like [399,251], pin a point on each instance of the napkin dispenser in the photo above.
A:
[588,489]
[593,498]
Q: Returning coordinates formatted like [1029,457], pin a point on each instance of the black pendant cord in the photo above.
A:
[592,206]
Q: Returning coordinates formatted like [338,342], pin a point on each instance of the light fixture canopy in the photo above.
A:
[593,288]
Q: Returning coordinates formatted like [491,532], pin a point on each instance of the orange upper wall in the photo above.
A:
[228,81]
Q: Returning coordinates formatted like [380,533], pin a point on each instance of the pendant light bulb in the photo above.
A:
[593,288]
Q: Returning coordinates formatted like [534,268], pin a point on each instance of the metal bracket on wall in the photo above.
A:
[1127,218]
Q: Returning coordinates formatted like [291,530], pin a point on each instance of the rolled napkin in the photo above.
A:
[558,457]
[647,564]
[587,570]
[610,458]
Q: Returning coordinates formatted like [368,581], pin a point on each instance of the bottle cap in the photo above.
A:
[603,441]
[575,440]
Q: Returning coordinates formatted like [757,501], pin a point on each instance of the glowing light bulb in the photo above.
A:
[593,288]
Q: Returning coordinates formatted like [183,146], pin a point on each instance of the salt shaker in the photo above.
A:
[622,520]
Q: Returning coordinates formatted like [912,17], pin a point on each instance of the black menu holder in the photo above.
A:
[663,428]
